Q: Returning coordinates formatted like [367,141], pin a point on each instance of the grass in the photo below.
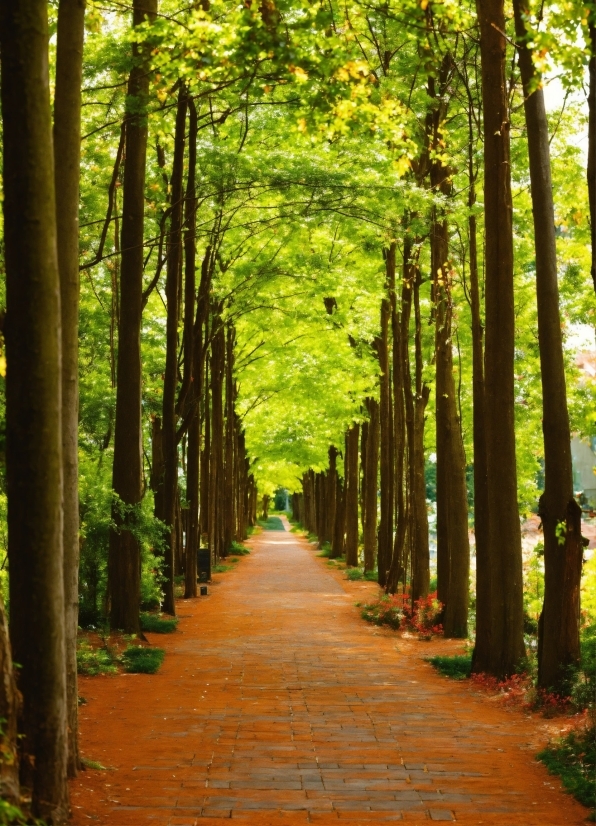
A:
[457,667]
[573,759]
[357,574]
[93,661]
[140,660]
[157,625]
[93,764]
[220,568]
[238,549]
[273,523]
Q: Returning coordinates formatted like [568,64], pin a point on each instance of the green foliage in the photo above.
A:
[357,574]
[93,661]
[11,815]
[158,624]
[384,612]
[573,759]
[238,549]
[140,660]
[456,667]
[583,693]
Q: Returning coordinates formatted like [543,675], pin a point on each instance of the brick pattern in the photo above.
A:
[277,704]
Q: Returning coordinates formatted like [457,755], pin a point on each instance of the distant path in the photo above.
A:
[277,704]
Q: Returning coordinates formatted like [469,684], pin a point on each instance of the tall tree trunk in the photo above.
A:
[558,648]
[400,324]
[124,560]
[370,486]
[385,535]
[453,548]
[33,406]
[482,647]
[67,155]
[504,539]
[418,512]
[351,494]
[216,459]
[230,435]
[332,499]
[170,449]
[193,367]
[339,528]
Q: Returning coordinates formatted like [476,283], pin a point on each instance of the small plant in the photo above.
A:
[238,549]
[93,661]
[573,759]
[140,660]
[93,764]
[11,815]
[220,568]
[357,574]
[157,625]
[457,667]
[396,611]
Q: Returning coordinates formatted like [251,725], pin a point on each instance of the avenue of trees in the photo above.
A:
[315,246]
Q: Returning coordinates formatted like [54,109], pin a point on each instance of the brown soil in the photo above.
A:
[276,704]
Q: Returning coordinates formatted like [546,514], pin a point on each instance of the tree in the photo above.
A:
[33,406]
[124,556]
[504,538]
[67,155]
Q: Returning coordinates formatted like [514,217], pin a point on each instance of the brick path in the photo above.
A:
[276,703]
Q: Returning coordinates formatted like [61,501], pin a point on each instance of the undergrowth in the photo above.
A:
[573,759]
[140,660]
[157,625]
[11,815]
[458,667]
[357,574]
[396,611]
[238,549]
[93,661]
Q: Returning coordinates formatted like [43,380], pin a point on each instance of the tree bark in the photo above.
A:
[170,449]
[124,561]
[332,499]
[504,539]
[385,534]
[351,494]
[453,548]
[559,647]
[371,486]
[67,154]
[33,406]
[418,511]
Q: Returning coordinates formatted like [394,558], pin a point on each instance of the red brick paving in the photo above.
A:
[277,704]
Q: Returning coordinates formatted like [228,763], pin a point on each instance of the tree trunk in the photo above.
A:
[67,154]
[371,487]
[385,535]
[228,509]
[453,548]
[170,451]
[418,512]
[332,499]
[351,494]
[124,561]
[504,539]
[216,460]
[559,646]
[33,406]
[482,647]
[339,528]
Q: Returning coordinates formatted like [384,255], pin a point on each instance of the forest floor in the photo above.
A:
[276,703]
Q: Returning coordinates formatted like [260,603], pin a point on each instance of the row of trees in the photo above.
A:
[280,246]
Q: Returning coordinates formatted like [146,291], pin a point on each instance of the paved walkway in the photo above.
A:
[276,703]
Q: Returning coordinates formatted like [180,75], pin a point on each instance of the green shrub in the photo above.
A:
[573,759]
[140,660]
[357,574]
[158,625]
[238,549]
[11,815]
[456,667]
[93,661]
[583,693]
[220,568]
[273,523]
